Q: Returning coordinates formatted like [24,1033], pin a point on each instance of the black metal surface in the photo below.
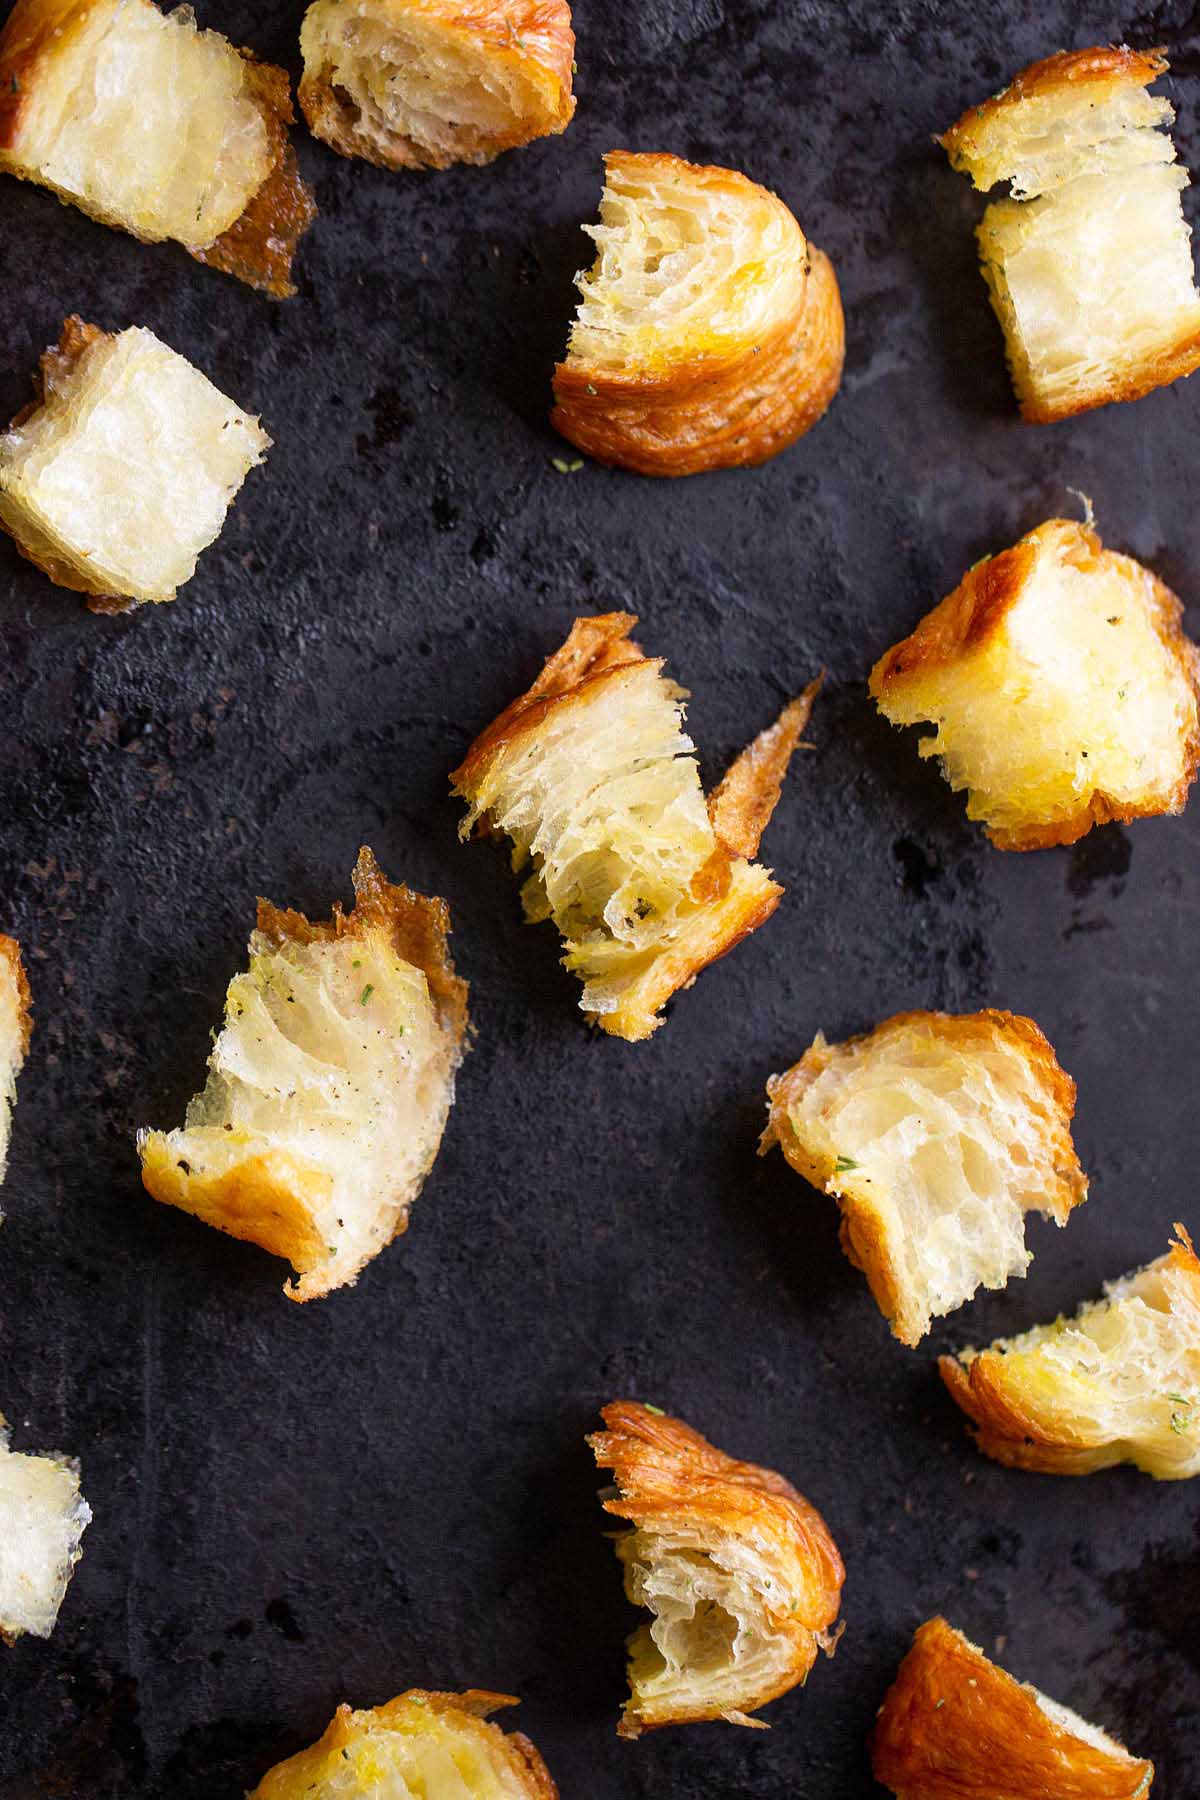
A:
[387,1488]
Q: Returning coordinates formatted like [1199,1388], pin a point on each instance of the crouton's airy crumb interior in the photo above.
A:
[1118,1382]
[690,262]
[409,84]
[420,1746]
[1061,689]
[119,74]
[43,1516]
[937,1134]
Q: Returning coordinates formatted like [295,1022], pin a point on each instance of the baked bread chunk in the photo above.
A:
[43,1517]
[955,1727]
[740,1572]
[422,84]
[1120,1382]
[123,469]
[1061,688]
[329,1084]
[149,124]
[420,1746]
[709,333]
[936,1133]
[16,1027]
[593,778]
[1090,265]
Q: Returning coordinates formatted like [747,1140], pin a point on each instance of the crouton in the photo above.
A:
[740,1572]
[593,778]
[956,1727]
[1061,687]
[422,84]
[16,1026]
[1089,266]
[151,125]
[936,1133]
[438,1746]
[1120,1382]
[43,1516]
[329,1085]
[709,333]
[123,470]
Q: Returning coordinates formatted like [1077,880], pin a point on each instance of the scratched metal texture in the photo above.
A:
[295,1506]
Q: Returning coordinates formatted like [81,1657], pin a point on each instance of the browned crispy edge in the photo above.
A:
[1006,1430]
[741,804]
[975,612]
[1065,69]
[864,1238]
[953,1726]
[10,952]
[501,28]
[670,1477]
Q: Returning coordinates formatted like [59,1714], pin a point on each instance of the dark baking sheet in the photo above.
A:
[296,1506]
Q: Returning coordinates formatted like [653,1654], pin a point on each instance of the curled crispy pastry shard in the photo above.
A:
[123,470]
[438,1746]
[43,1516]
[1119,1382]
[591,775]
[709,333]
[16,1027]
[329,1084]
[955,1727]
[740,1572]
[1061,687]
[936,1133]
[1089,266]
[422,84]
[156,127]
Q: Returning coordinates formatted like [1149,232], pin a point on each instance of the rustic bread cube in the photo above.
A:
[156,127]
[709,333]
[1120,1382]
[740,1572]
[955,1727]
[422,84]
[1090,265]
[329,1085]
[123,472]
[16,1026]
[435,1746]
[936,1133]
[1061,687]
[591,775]
[43,1517]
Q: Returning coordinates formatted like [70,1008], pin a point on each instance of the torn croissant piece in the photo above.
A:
[936,1133]
[329,1084]
[124,468]
[955,1727]
[1118,1383]
[422,84]
[1089,266]
[593,778]
[151,125]
[437,1746]
[16,1027]
[740,1572]
[709,333]
[1061,687]
[43,1516]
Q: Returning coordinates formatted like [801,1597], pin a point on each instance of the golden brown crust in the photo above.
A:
[671,1479]
[1010,1431]
[741,804]
[953,1726]
[267,1200]
[10,952]
[1105,64]
[531,39]
[467,1713]
[1158,369]
[715,410]
[974,614]
[33,29]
